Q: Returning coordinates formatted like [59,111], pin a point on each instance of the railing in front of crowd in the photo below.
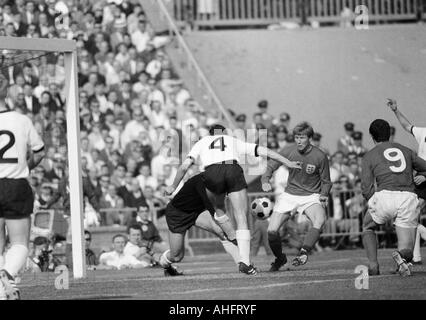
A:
[192,64]
[263,12]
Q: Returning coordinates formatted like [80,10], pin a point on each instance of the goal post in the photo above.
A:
[69,49]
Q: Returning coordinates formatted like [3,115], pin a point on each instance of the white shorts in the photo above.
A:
[286,202]
[399,205]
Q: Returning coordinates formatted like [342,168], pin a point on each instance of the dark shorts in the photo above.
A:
[179,221]
[16,199]
[224,178]
[421,191]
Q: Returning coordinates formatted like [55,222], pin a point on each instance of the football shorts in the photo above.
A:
[179,221]
[286,202]
[224,178]
[16,199]
[399,205]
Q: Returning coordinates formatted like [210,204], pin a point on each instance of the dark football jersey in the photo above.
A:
[314,177]
[390,166]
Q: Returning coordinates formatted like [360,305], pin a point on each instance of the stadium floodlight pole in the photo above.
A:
[69,48]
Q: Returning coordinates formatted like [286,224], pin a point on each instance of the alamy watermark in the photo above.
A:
[361,18]
[362,282]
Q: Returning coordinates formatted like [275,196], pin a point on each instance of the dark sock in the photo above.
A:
[275,244]
[370,244]
[406,254]
[311,238]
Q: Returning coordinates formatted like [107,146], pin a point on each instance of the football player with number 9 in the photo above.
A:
[389,166]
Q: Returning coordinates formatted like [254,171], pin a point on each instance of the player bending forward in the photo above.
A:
[390,166]
[219,155]
[16,196]
[191,206]
[306,192]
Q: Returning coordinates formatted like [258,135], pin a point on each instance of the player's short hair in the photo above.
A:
[216,129]
[380,130]
[304,128]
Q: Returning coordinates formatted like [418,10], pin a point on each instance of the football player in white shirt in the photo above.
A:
[219,154]
[17,134]
[420,134]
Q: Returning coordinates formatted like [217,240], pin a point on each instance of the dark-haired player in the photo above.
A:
[388,185]
[191,206]
[306,192]
[219,154]
[17,134]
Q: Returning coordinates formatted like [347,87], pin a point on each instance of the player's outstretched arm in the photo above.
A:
[405,123]
[265,152]
[179,175]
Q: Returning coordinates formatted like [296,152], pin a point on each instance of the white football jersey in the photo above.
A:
[420,135]
[17,134]
[219,148]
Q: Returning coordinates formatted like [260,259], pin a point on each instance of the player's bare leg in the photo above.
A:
[16,256]
[2,241]
[221,218]
[369,240]
[276,221]
[239,201]
[205,222]
[404,255]
[174,254]
[316,213]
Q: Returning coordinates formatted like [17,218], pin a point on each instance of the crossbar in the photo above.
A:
[37,44]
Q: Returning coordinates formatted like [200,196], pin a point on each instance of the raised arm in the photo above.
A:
[405,123]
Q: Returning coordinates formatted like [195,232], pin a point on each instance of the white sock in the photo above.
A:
[421,232]
[226,225]
[15,258]
[243,239]
[421,229]
[164,261]
[1,261]
[232,249]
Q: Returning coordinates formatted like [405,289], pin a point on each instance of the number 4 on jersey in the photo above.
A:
[218,143]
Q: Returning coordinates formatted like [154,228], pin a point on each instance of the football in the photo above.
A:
[261,208]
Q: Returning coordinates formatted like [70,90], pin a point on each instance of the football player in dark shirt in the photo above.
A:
[191,206]
[387,184]
[306,192]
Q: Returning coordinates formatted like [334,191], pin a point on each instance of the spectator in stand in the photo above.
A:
[117,259]
[345,142]
[337,167]
[136,246]
[91,260]
[155,243]
[266,117]
[357,146]
[316,141]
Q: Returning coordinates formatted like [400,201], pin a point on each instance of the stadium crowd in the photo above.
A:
[137,118]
